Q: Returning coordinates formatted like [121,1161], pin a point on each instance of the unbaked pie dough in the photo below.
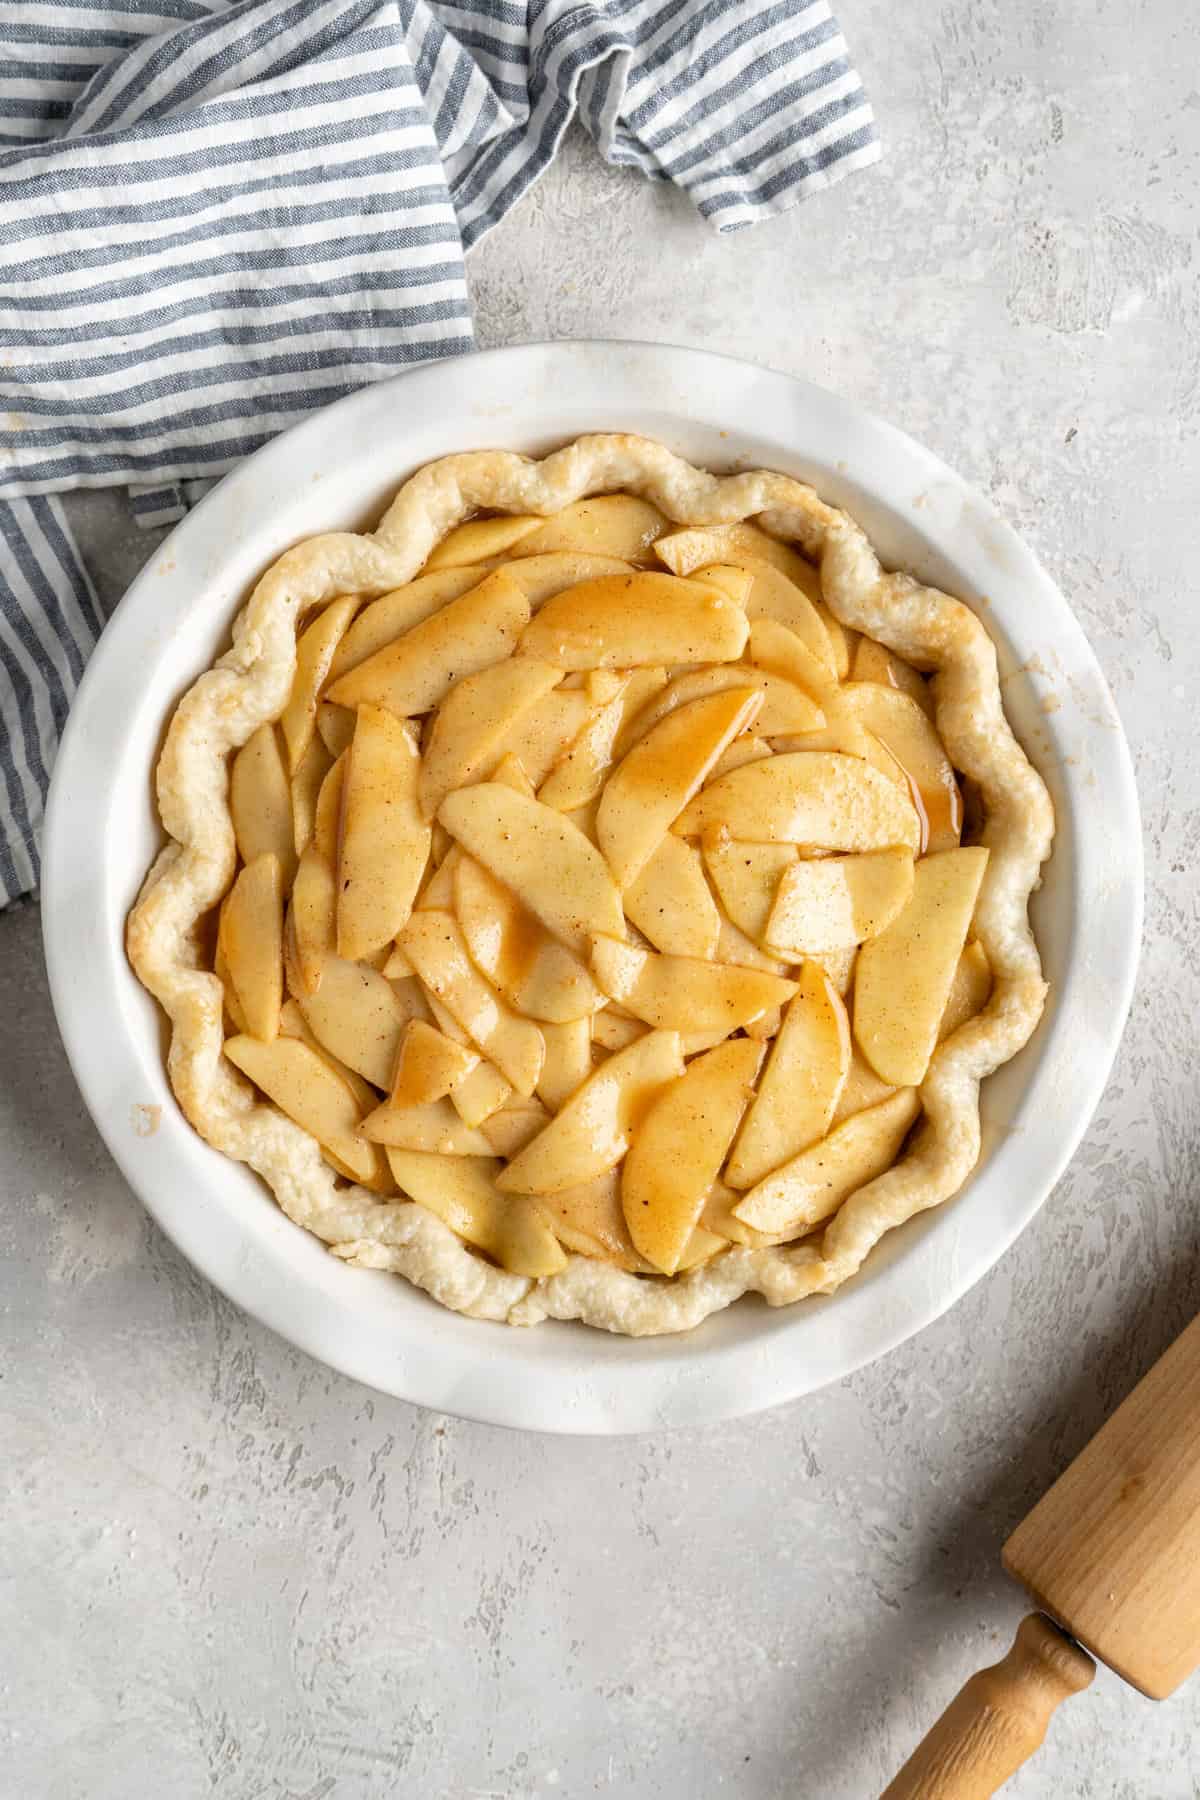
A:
[568,902]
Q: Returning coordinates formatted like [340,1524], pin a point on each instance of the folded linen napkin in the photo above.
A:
[216,215]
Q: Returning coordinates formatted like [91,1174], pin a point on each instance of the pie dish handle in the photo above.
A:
[997,1719]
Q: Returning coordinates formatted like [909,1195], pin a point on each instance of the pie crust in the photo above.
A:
[250,685]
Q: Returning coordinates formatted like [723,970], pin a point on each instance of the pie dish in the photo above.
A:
[341,469]
[666,1123]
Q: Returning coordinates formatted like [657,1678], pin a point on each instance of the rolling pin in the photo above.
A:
[1111,1556]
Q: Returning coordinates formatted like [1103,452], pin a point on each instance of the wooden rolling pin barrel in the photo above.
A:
[1112,1556]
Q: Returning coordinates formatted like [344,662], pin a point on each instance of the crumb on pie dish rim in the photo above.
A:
[913,622]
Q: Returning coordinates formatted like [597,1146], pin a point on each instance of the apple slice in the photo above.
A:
[358,1016]
[733,946]
[839,965]
[511,771]
[785,707]
[538,853]
[379,1181]
[306,786]
[418,670]
[700,1248]
[578,775]
[480,540]
[682,993]
[632,621]
[463,1194]
[881,758]
[584,819]
[292,981]
[484,1090]
[592,1131]
[766,1026]
[305,1088]
[389,617]
[905,975]
[293,984]
[817,798]
[836,902]
[588,1220]
[385,841]
[252,943]
[313,916]
[397,965]
[438,892]
[744,749]
[474,720]
[232,1008]
[685,551]
[970,990]
[514,1125]
[641,690]
[841,641]
[435,1127]
[260,802]
[679,1146]
[438,952]
[608,525]
[844,733]
[481,1094]
[314,652]
[729,579]
[414,1002]
[601,685]
[719,1218]
[379,1178]
[670,902]
[905,731]
[537,975]
[871,662]
[779,650]
[568,1061]
[782,602]
[293,1024]
[800,1085]
[812,1186]
[541,577]
[746,876]
[651,786]
[613,1030]
[525,1244]
[327,814]
[862,1089]
[335,727]
[543,735]
[428,1065]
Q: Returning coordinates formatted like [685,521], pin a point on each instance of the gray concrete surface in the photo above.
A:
[225,1570]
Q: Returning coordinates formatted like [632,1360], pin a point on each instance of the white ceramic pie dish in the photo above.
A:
[337,471]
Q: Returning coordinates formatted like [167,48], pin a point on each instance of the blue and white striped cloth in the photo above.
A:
[216,215]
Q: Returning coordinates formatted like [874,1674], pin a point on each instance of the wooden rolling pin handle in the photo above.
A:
[996,1722]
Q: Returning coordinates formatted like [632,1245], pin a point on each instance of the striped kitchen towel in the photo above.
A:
[216,215]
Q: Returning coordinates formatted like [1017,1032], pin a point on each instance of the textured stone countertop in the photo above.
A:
[226,1570]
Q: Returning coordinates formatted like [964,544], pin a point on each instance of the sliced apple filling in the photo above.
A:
[600,892]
